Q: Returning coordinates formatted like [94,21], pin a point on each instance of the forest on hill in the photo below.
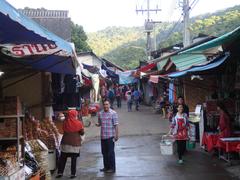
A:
[125,46]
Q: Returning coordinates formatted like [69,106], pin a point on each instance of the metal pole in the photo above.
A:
[186,32]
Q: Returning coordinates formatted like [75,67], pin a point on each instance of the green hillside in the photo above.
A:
[126,46]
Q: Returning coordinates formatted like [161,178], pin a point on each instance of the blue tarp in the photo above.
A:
[17,29]
[126,77]
[110,73]
[215,63]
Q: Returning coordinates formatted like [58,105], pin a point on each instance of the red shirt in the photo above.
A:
[224,125]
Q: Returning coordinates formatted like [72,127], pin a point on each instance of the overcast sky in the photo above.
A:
[95,15]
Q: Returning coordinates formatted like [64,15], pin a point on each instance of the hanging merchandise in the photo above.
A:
[103,73]
[171,92]
[95,81]
[109,72]
[154,79]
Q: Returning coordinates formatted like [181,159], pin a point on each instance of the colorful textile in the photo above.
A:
[108,121]
[210,141]
[72,124]
[171,93]
[154,79]
[148,67]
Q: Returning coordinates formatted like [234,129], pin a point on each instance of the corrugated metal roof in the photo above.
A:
[161,64]
[213,64]
[185,61]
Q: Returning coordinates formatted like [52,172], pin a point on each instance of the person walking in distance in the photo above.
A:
[136,98]
[108,122]
[129,100]
[111,97]
[118,96]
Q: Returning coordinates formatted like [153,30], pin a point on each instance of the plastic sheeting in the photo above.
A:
[126,77]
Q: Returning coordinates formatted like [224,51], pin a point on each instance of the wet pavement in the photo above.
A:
[138,154]
[139,158]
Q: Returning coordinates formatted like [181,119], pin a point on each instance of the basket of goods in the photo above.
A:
[167,145]
[8,161]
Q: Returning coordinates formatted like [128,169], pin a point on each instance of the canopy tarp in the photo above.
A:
[126,77]
[224,39]
[147,67]
[24,41]
[195,69]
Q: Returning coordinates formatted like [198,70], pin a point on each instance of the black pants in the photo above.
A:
[119,103]
[111,102]
[63,160]
[108,154]
[181,147]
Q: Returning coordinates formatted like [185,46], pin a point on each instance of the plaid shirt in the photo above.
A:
[108,121]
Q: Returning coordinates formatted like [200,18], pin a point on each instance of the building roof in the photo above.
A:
[108,63]
[183,49]
[44,13]
[112,64]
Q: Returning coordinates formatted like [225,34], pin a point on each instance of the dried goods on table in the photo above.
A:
[40,152]
[44,130]
[8,161]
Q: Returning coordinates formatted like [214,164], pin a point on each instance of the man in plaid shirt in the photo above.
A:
[108,121]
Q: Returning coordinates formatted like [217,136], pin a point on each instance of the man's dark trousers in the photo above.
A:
[108,153]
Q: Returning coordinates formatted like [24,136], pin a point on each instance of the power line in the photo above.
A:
[172,30]
[193,4]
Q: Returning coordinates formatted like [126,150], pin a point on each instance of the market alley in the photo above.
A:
[138,155]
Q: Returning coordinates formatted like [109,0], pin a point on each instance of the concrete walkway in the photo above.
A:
[143,122]
[138,154]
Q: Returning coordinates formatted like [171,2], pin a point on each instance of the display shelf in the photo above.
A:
[18,140]
[11,116]
[10,138]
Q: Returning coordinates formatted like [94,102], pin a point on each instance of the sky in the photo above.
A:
[95,15]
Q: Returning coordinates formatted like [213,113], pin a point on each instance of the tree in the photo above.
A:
[79,38]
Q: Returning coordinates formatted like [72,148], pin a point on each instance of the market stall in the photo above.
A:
[214,84]
[29,140]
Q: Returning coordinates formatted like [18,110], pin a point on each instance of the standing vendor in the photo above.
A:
[224,121]
[180,101]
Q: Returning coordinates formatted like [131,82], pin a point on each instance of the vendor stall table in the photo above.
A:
[228,145]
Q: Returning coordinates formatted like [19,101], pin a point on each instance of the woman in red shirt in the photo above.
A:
[224,122]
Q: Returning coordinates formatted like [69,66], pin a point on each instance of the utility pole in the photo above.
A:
[149,26]
[186,32]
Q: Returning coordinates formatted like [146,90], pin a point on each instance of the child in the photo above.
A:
[179,129]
